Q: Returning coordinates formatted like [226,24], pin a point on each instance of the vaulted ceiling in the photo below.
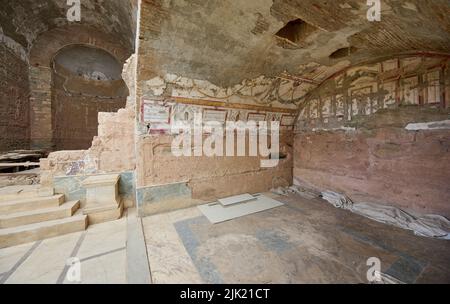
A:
[227,41]
[25,20]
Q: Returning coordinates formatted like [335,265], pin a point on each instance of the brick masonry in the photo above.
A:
[41,108]
[14,104]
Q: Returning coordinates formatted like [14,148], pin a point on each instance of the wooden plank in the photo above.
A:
[27,164]
[18,174]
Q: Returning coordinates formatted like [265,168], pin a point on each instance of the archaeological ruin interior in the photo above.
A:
[232,141]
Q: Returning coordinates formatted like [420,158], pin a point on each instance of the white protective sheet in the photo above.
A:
[233,200]
[306,193]
[433,226]
[217,213]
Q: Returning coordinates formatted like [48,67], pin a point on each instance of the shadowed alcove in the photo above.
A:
[85,81]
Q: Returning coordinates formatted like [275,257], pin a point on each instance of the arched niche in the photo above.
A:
[86,80]
[42,54]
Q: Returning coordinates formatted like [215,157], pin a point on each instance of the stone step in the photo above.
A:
[40,215]
[40,231]
[21,192]
[31,204]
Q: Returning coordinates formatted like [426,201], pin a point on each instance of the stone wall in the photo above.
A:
[42,55]
[61,112]
[393,166]
[111,151]
[166,182]
[41,131]
[76,119]
[351,136]
[202,179]
[77,99]
[14,100]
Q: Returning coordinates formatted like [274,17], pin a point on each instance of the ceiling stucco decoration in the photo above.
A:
[228,42]
[225,42]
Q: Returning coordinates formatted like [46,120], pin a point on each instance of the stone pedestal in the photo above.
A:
[103,202]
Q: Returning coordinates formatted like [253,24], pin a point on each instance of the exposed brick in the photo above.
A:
[14,103]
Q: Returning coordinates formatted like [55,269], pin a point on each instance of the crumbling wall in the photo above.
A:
[112,151]
[352,135]
[42,54]
[14,96]
[80,90]
[41,38]
[76,118]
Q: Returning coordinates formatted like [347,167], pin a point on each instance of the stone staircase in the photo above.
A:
[29,213]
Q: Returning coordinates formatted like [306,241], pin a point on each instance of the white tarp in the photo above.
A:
[435,125]
[306,193]
[434,226]
[217,213]
[337,200]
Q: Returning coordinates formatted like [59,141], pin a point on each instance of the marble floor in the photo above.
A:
[304,241]
[97,255]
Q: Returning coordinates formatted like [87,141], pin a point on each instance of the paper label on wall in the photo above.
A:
[256,117]
[156,113]
[214,115]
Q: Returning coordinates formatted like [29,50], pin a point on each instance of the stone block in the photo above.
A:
[102,198]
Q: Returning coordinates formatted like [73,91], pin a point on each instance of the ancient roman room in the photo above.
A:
[224,142]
